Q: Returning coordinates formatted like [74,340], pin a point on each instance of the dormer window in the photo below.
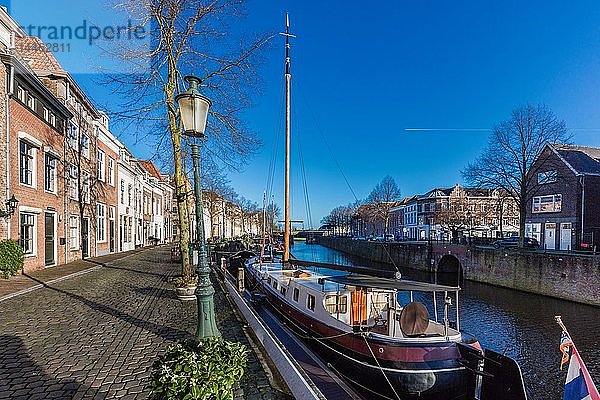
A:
[31,102]
[21,94]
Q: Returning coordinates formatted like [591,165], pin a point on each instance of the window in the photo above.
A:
[110,178]
[27,233]
[547,177]
[111,213]
[336,304]
[21,94]
[73,232]
[269,280]
[31,101]
[275,284]
[50,173]
[52,119]
[101,222]
[73,137]
[122,191]
[85,186]
[101,166]
[46,114]
[85,146]
[73,182]
[283,290]
[27,163]
[129,195]
[296,294]
[551,203]
[310,302]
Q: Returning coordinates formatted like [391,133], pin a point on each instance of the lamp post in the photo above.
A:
[470,218]
[193,109]
[11,206]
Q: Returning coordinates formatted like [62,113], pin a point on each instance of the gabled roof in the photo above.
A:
[151,168]
[582,160]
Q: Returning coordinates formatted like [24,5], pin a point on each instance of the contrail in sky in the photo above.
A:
[478,129]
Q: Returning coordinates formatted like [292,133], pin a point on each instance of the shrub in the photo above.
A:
[11,258]
[207,370]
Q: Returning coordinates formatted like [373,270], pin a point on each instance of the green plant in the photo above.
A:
[206,370]
[11,258]
[182,281]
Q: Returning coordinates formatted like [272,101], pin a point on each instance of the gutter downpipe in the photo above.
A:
[9,93]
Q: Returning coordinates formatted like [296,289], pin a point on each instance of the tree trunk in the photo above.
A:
[522,215]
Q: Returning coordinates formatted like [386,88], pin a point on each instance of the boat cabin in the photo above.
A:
[386,307]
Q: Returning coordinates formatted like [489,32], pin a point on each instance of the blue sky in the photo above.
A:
[365,72]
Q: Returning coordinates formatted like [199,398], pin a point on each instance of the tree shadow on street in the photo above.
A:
[165,332]
[22,378]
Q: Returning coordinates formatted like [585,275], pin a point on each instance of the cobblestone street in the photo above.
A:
[97,335]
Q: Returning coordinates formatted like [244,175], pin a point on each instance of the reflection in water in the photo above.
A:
[517,323]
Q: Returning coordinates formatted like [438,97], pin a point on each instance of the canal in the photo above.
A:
[520,324]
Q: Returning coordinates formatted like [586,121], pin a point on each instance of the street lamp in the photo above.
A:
[11,206]
[470,218]
[193,110]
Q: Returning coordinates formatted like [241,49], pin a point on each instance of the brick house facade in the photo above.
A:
[563,213]
[37,126]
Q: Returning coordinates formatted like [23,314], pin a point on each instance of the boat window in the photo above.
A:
[269,280]
[310,302]
[283,290]
[336,304]
[275,284]
[296,294]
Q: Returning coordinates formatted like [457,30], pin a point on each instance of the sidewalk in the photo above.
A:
[96,335]
[30,280]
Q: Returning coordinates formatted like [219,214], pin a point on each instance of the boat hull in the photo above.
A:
[408,371]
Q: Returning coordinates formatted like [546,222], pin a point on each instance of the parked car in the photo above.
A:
[514,242]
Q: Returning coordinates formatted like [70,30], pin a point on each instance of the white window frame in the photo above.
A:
[22,94]
[33,251]
[32,154]
[547,177]
[100,223]
[110,175]
[73,182]
[73,135]
[50,165]
[31,101]
[310,302]
[536,204]
[74,241]
[101,164]
[85,146]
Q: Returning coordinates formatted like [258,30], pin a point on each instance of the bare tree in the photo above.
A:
[189,36]
[514,145]
[273,214]
[382,200]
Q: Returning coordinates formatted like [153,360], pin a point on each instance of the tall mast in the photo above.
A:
[288,79]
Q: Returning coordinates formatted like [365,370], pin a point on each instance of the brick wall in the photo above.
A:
[35,199]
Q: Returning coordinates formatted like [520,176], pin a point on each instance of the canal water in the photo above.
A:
[520,324]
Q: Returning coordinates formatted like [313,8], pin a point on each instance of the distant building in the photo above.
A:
[564,212]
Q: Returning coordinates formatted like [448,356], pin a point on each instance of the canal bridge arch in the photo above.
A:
[449,270]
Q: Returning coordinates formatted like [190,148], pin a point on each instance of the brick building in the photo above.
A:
[563,212]
[36,154]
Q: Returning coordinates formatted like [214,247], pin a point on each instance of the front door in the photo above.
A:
[49,239]
[85,244]
[565,236]
[111,235]
[550,236]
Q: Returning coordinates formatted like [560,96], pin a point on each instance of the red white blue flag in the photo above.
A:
[579,385]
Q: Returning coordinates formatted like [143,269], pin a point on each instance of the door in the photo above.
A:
[565,236]
[49,240]
[85,244]
[111,229]
[550,236]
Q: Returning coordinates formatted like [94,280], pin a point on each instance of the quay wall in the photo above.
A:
[561,275]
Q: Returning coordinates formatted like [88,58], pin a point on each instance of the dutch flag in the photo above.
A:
[579,384]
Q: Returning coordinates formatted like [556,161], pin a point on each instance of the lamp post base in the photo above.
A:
[207,327]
